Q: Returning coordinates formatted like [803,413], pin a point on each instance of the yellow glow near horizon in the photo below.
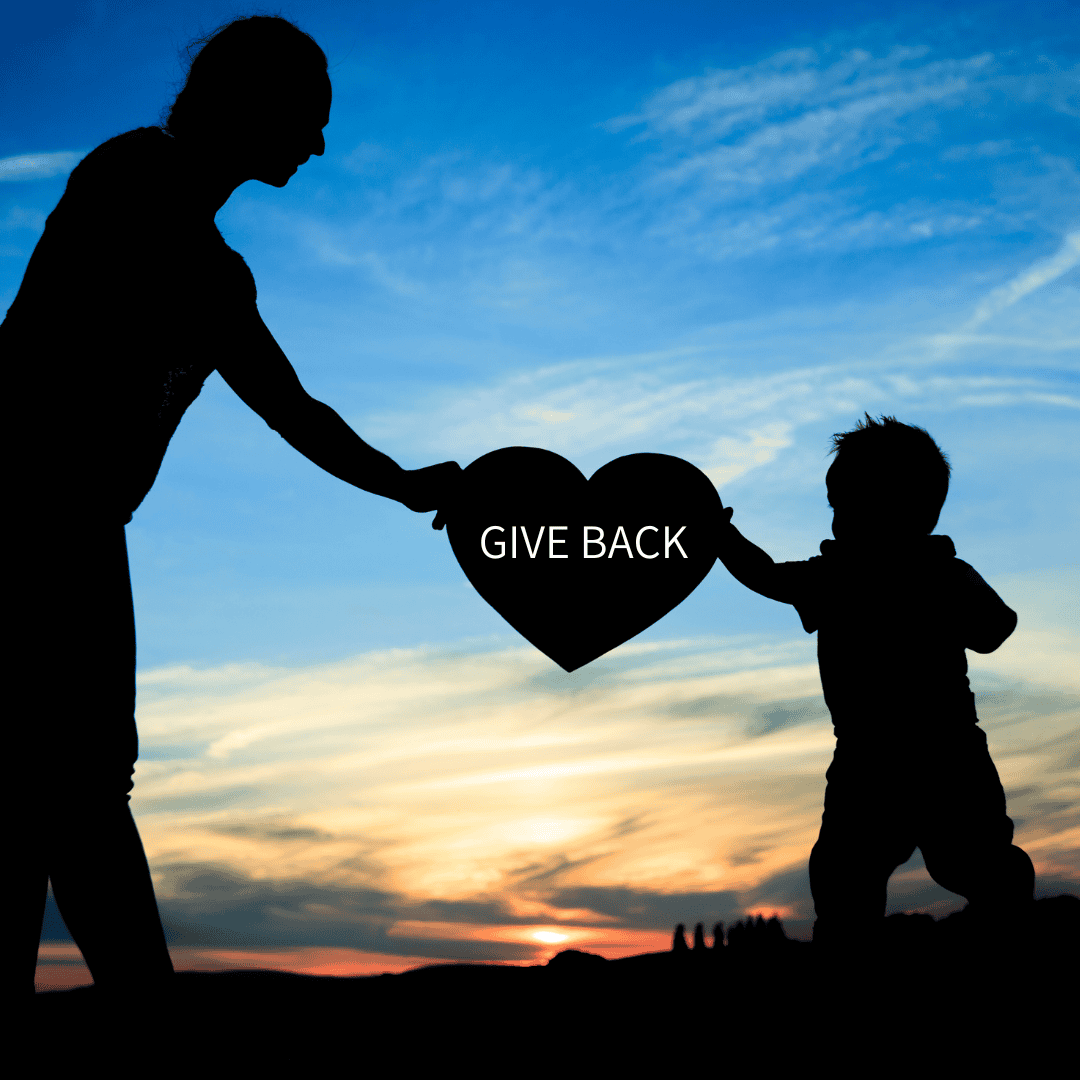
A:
[505,812]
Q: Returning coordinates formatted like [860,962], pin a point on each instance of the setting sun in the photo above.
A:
[549,937]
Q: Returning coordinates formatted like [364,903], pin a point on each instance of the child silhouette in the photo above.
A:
[894,610]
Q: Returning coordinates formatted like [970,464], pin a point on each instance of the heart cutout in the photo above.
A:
[580,566]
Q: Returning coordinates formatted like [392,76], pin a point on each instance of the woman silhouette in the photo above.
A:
[130,300]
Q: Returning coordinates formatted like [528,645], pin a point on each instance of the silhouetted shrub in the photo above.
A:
[574,959]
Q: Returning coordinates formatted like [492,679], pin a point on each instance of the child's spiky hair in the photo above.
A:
[894,460]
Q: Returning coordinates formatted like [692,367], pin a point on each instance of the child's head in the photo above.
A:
[888,480]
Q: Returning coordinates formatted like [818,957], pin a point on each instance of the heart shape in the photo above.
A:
[579,566]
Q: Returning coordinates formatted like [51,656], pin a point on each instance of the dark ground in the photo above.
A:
[946,995]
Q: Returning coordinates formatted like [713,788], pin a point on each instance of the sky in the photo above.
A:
[711,230]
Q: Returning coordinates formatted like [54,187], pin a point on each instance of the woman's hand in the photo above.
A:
[431,488]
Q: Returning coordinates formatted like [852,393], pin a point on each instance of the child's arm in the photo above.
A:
[746,562]
[989,620]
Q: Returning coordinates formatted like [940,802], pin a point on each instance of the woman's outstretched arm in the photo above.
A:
[262,377]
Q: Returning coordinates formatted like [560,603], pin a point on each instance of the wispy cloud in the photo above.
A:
[1034,277]
[801,152]
[406,778]
[749,159]
[39,166]
[771,122]
[726,424]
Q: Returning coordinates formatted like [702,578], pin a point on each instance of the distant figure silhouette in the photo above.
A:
[130,300]
[894,610]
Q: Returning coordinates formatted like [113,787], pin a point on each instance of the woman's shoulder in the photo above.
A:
[123,167]
[130,147]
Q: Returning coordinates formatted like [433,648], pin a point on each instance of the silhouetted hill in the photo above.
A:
[976,989]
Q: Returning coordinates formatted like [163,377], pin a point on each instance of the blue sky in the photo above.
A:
[698,229]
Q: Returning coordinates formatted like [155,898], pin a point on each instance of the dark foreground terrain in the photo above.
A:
[945,995]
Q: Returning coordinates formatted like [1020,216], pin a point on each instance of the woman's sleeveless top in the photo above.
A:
[125,307]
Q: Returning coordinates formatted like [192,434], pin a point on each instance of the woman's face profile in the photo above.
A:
[287,135]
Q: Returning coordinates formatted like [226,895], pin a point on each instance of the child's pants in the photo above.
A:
[882,801]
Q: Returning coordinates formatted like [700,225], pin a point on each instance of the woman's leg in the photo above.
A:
[23,903]
[103,889]
[92,849]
